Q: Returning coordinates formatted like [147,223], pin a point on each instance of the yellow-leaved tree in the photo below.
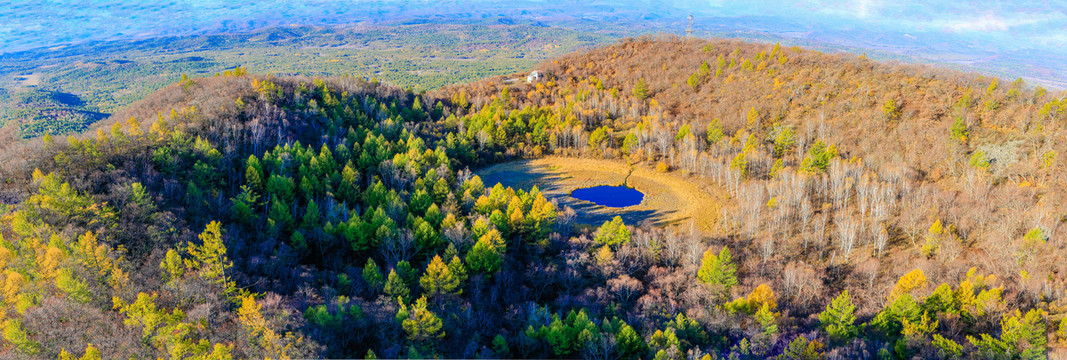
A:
[419,323]
[209,258]
[439,279]
[913,280]
[259,333]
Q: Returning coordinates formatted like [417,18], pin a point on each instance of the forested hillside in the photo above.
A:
[69,87]
[877,211]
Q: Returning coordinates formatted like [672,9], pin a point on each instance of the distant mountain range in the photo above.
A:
[1003,39]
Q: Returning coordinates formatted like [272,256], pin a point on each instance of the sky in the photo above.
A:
[1008,24]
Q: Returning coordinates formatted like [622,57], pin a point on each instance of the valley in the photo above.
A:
[108,76]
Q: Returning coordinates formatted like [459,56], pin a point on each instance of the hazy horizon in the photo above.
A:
[1004,38]
[32,24]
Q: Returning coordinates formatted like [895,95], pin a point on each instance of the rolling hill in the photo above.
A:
[874,211]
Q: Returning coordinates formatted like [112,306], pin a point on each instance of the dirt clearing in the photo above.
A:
[670,198]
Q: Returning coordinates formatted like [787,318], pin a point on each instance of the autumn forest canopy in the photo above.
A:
[871,211]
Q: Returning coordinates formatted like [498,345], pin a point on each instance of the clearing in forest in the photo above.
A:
[670,198]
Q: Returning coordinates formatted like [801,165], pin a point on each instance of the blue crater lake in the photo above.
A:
[613,196]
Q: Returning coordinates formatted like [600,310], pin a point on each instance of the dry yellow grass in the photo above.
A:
[670,198]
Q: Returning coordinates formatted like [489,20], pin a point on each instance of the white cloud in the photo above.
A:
[862,9]
[987,23]
[1056,39]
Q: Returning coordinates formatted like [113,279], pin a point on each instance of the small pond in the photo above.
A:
[613,196]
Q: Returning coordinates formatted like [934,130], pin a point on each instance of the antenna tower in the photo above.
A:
[689,29]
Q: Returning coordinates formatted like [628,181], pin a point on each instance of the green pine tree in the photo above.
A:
[348,188]
[484,257]
[641,91]
[299,243]
[312,217]
[426,238]
[630,344]
[457,268]
[1021,337]
[500,347]
[396,288]
[242,208]
[838,320]
[612,233]
[279,215]
[372,275]
[718,272]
